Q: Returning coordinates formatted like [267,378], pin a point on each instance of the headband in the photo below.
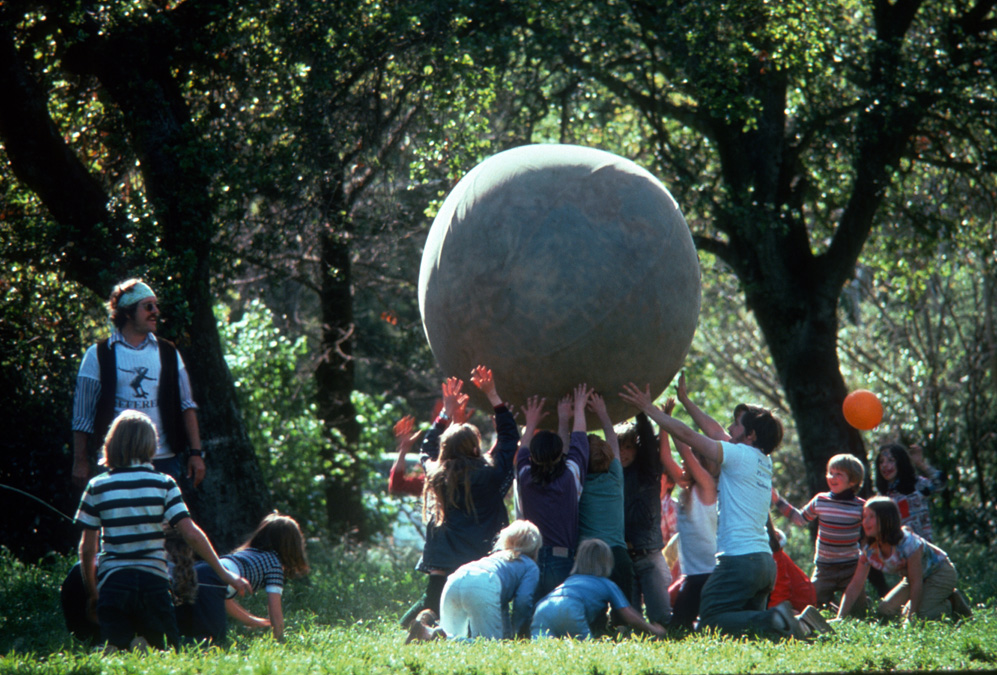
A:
[137,292]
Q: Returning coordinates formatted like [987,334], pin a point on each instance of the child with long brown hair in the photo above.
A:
[927,588]
[273,553]
[463,500]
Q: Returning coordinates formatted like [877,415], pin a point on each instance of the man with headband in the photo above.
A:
[135,370]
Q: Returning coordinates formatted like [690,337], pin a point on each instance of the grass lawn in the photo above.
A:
[343,619]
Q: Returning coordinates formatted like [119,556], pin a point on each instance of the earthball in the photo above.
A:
[555,265]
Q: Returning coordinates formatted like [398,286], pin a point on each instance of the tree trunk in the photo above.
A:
[134,70]
[804,350]
[334,379]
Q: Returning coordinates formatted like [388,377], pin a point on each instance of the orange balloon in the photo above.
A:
[862,409]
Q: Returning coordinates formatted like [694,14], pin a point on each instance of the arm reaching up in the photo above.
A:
[534,412]
[564,407]
[598,406]
[482,378]
[582,393]
[707,424]
[708,447]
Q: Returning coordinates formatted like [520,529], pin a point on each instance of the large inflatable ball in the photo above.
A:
[555,265]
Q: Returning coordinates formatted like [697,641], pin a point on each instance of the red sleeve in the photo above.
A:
[803,592]
[400,484]
[782,589]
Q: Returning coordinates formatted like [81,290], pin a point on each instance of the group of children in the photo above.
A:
[589,531]
[137,582]
[584,555]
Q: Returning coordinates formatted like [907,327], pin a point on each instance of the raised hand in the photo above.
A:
[598,406]
[534,410]
[668,406]
[462,414]
[452,396]
[564,407]
[405,433]
[680,389]
[582,393]
[639,399]
[482,378]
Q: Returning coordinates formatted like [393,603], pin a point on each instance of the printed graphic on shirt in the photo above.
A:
[140,373]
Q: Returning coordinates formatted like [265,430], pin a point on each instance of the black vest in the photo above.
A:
[169,395]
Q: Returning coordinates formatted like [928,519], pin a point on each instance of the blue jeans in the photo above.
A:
[651,581]
[554,569]
[206,619]
[735,597]
[131,602]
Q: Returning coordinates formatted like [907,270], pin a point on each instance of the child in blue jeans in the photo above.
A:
[570,609]
[123,512]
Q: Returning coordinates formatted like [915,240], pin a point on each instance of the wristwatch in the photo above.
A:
[196,452]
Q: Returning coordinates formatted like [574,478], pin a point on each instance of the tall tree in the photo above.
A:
[363,80]
[782,128]
[133,61]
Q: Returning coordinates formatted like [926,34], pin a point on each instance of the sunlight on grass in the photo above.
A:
[344,619]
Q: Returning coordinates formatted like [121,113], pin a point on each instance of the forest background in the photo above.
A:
[272,168]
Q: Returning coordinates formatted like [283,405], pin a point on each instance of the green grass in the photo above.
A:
[344,620]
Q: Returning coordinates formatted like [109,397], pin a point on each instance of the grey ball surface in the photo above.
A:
[555,265]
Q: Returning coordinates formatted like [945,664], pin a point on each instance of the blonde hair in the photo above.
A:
[132,439]
[521,537]
[594,557]
[460,455]
[600,455]
[851,465]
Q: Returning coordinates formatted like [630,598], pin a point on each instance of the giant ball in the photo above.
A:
[556,265]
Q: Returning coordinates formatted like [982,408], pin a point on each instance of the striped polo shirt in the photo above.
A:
[129,506]
[839,525]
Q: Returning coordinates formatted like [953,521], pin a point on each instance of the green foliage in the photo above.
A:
[276,396]
[31,620]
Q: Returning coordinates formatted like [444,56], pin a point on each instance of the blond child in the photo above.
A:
[838,513]
[123,512]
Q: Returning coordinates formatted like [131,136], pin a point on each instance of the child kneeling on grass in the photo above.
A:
[928,587]
[570,609]
[476,597]
[123,511]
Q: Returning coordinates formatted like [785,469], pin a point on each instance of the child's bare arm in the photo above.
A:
[582,392]
[635,620]
[564,407]
[668,462]
[598,406]
[704,483]
[275,610]
[89,543]
[242,615]
[197,540]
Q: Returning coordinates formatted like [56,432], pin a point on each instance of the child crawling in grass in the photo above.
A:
[570,609]
[273,553]
[122,513]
